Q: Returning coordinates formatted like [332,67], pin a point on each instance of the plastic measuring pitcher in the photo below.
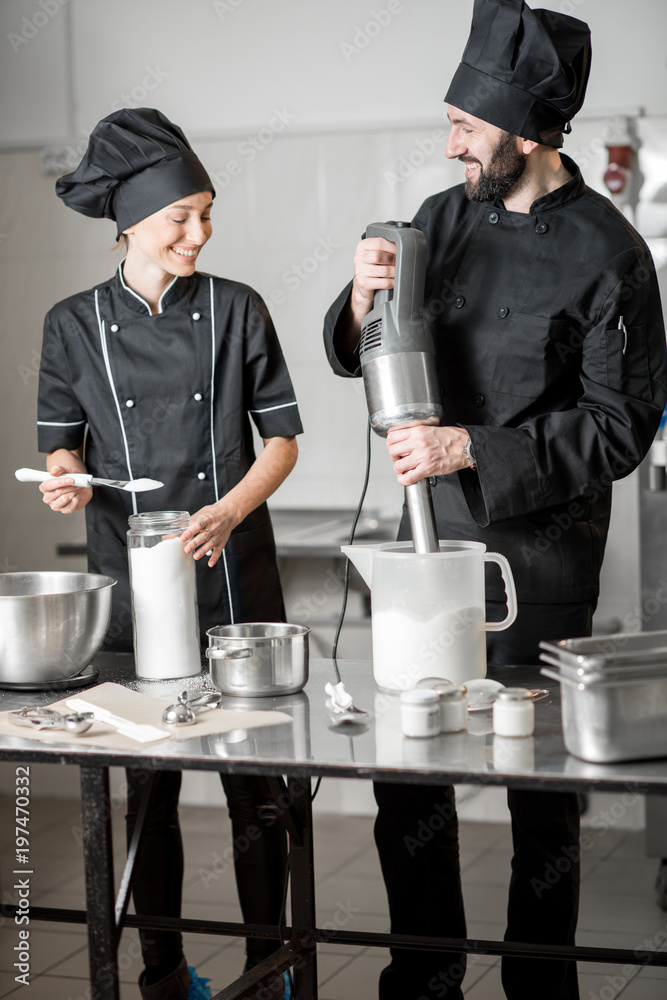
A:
[428,616]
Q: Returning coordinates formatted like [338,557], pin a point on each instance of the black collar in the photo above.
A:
[172,295]
[563,195]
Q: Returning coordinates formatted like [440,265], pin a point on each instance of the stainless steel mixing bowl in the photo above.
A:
[51,624]
[258,659]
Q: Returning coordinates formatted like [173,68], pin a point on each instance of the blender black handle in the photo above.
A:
[407,294]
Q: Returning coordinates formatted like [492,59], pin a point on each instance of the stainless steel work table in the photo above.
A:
[313,747]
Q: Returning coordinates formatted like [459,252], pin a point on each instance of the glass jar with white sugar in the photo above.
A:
[164,596]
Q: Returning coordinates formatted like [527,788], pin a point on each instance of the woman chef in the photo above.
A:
[153,373]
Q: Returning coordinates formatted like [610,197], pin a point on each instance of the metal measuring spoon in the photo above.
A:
[46,718]
[184,711]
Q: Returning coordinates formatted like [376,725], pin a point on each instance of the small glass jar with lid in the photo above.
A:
[420,712]
[514,712]
[453,708]
[164,596]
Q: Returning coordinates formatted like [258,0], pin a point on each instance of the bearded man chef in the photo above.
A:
[550,342]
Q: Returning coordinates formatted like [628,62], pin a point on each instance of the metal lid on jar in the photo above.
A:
[514,694]
[159,520]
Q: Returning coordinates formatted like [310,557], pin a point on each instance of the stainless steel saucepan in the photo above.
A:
[258,659]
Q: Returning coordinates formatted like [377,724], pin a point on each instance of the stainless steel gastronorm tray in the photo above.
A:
[622,649]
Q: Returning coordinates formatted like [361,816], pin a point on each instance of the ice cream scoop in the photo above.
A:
[184,711]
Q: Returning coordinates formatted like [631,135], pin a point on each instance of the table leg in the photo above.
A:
[302,876]
[98,864]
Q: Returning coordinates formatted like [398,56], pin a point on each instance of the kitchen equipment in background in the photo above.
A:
[613,695]
[164,596]
[258,659]
[52,625]
[428,610]
[85,479]
[622,176]
[398,363]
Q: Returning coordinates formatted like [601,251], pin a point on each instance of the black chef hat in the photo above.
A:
[523,70]
[137,162]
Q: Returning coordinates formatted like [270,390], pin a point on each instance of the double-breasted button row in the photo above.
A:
[197,396]
[540,228]
[115,328]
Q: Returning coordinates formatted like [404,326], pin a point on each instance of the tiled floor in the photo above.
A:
[618,907]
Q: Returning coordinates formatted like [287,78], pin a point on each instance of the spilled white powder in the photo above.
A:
[450,645]
[164,606]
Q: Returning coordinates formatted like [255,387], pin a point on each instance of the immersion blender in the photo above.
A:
[398,363]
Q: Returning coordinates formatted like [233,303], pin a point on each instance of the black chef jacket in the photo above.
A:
[167,396]
[551,353]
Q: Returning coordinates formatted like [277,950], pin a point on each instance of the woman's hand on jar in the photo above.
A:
[209,531]
[61,495]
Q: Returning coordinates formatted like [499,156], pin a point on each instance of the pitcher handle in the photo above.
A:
[510,590]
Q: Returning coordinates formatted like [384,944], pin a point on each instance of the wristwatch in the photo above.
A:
[469,453]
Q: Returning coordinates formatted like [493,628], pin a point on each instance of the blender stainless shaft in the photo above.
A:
[422,517]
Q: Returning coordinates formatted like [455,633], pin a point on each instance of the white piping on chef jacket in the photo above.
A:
[107,365]
[60,423]
[269,408]
[215,470]
[132,292]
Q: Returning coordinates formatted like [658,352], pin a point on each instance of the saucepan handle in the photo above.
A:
[213,653]
[510,591]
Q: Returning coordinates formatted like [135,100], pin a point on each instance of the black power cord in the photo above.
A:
[346,580]
[353,529]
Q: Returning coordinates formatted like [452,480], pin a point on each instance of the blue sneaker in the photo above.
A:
[199,988]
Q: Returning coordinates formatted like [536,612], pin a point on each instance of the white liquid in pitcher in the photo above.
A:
[451,645]
[166,638]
